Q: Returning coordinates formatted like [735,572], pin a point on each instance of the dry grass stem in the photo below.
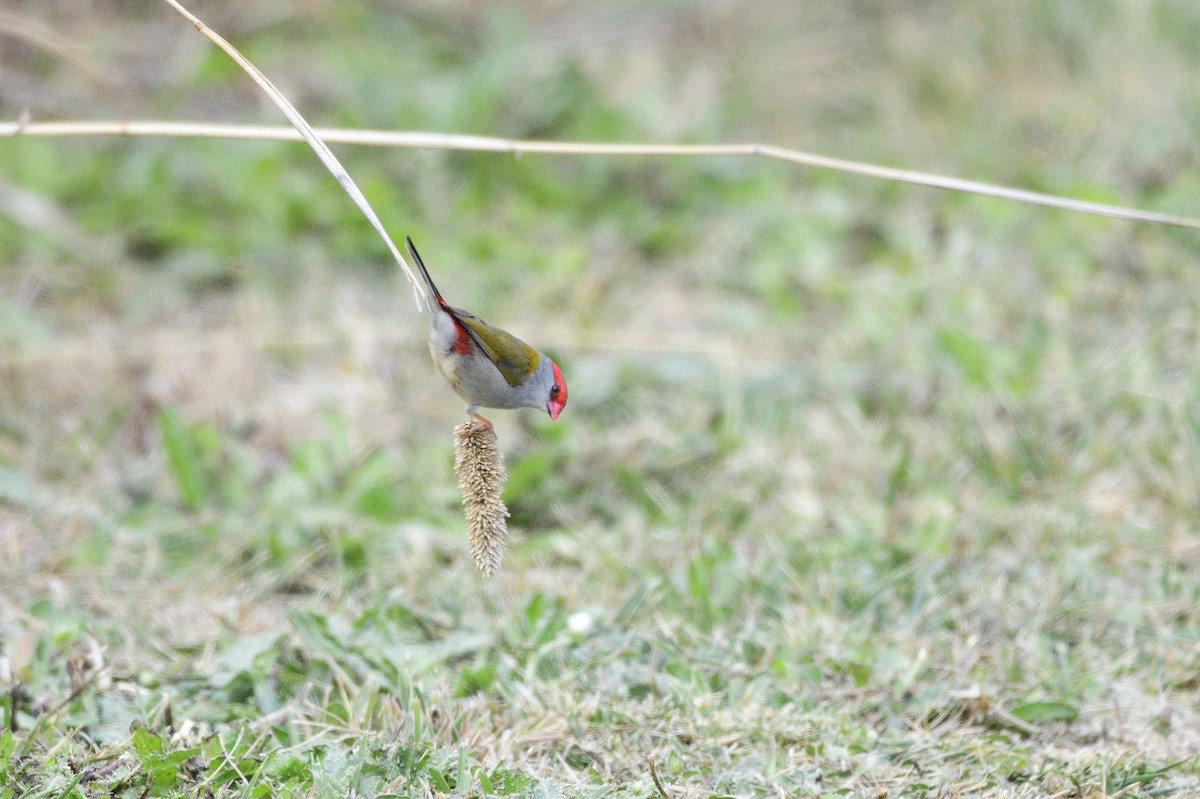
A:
[305,131]
[454,141]
[480,468]
[662,791]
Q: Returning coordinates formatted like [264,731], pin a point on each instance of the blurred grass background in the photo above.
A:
[853,474]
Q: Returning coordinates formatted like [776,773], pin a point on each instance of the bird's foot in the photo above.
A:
[479,423]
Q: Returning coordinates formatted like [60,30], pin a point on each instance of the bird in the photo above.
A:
[487,366]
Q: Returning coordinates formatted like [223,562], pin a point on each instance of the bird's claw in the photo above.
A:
[479,424]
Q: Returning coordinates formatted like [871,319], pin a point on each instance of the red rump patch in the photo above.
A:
[462,338]
[462,341]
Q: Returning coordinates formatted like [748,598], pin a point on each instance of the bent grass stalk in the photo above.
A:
[314,141]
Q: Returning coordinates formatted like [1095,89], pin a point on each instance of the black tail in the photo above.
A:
[412,250]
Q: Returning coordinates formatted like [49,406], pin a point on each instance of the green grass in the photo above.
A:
[862,491]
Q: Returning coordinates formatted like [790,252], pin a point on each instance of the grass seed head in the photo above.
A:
[480,468]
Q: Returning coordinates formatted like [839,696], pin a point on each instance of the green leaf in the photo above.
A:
[474,681]
[182,458]
[511,783]
[1037,712]
[439,780]
[371,488]
[968,352]
[164,769]
[146,743]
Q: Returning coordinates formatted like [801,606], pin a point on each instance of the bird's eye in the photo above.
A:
[554,389]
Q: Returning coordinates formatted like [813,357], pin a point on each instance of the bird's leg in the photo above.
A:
[479,422]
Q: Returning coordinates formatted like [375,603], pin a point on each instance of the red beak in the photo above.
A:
[554,409]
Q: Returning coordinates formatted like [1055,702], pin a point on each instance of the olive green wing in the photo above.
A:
[515,359]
